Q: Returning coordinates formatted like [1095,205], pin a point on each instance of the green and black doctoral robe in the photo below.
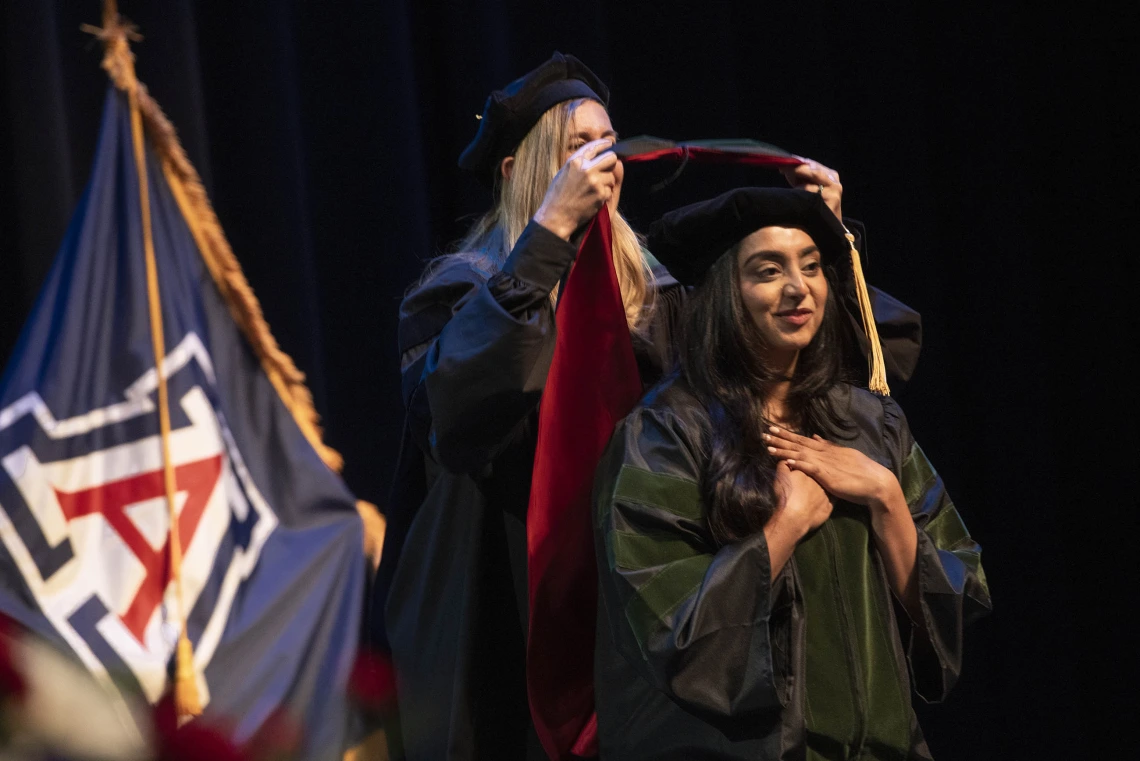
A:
[701,655]
[450,599]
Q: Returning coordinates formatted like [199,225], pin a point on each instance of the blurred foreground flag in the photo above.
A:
[266,569]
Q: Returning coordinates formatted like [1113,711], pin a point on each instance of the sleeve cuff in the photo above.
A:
[540,257]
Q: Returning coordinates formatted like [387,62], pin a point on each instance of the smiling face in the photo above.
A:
[783,288]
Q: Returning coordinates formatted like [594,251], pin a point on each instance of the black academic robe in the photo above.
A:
[450,599]
[701,655]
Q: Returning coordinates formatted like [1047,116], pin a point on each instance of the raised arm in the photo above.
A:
[476,349]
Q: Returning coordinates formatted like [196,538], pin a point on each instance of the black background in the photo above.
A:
[990,149]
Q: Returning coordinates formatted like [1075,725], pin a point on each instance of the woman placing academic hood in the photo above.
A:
[476,338]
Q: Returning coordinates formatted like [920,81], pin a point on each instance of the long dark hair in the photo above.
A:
[720,363]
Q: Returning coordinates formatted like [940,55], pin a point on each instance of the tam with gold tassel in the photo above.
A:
[690,239]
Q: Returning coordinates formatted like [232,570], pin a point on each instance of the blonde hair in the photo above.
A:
[537,160]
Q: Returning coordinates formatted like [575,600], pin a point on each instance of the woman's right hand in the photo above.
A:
[582,185]
[804,506]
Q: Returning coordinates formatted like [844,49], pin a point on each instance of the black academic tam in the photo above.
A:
[510,113]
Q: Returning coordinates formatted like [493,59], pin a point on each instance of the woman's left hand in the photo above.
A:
[814,177]
[843,472]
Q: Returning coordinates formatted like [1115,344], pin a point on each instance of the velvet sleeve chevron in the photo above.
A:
[693,620]
[952,584]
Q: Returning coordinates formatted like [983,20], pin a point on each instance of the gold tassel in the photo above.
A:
[186,701]
[878,370]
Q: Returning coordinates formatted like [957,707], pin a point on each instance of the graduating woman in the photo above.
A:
[779,562]
[476,339]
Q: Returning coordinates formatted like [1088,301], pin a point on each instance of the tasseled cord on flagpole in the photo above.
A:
[878,372]
[120,62]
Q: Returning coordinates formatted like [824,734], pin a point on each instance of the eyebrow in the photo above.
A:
[780,255]
[586,135]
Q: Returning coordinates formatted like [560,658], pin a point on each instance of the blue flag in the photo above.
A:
[272,566]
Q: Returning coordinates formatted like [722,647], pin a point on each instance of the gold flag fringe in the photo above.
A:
[190,194]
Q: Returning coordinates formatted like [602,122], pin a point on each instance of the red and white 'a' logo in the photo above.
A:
[110,506]
[121,504]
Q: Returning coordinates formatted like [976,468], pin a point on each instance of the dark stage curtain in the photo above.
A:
[988,147]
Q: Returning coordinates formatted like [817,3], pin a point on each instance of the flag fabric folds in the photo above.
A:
[272,563]
[592,384]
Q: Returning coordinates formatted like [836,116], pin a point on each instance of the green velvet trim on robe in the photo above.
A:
[947,529]
[681,567]
[855,706]
[679,496]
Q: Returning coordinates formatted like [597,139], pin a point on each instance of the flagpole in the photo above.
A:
[185,683]
[187,703]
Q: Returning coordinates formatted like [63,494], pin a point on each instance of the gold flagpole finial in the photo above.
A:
[116,34]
